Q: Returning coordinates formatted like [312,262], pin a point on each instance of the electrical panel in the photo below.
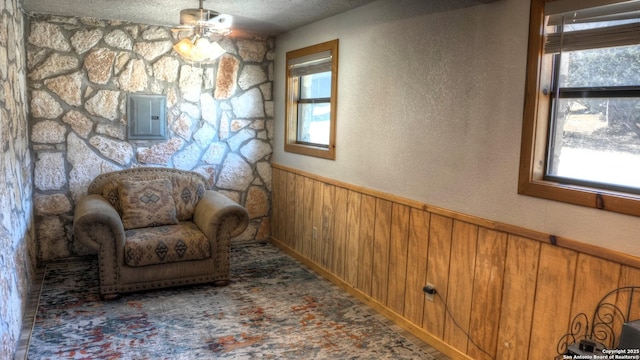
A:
[146,116]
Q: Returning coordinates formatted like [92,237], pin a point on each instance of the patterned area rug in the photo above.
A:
[274,308]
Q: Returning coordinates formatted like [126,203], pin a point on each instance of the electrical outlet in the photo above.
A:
[429,291]
[314,234]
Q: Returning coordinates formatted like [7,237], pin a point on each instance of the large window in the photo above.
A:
[311,95]
[581,133]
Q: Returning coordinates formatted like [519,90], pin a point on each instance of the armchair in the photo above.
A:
[155,228]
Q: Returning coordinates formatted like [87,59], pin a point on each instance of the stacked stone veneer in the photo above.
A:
[16,208]
[80,71]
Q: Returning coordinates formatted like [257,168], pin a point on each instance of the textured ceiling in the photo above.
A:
[265,17]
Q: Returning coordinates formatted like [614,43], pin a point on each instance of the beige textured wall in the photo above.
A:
[80,71]
[430,102]
[17,250]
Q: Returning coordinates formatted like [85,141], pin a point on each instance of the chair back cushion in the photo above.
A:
[146,203]
[187,187]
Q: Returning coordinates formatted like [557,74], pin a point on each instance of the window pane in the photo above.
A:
[314,123]
[616,66]
[597,140]
[315,86]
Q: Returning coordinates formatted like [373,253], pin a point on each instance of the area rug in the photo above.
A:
[274,308]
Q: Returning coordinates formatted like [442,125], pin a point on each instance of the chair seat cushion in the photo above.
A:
[165,244]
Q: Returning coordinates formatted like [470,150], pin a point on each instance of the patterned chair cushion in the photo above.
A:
[187,191]
[165,244]
[146,203]
[110,192]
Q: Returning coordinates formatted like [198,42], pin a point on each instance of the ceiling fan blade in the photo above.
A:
[180,28]
[221,21]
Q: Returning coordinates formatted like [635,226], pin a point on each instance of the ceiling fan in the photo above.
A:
[199,24]
[208,20]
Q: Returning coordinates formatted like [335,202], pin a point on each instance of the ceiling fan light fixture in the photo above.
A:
[184,47]
[213,50]
[203,22]
[199,49]
[206,51]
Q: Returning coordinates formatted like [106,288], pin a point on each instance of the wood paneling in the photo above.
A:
[317,215]
[518,294]
[417,253]
[307,214]
[398,257]
[276,227]
[460,293]
[503,292]
[367,225]
[381,243]
[629,277]
[307,217]
[290,202]
[440,232]
[328,208]
[298,241]
[554,290]
[630,304]
[282,205]
[339,231]
[487,293]
[594,279]
[352,255]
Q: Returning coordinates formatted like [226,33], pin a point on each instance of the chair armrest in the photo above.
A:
[215,210]
[94,210]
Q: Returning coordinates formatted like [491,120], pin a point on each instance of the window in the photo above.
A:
[581,129]
[311,95]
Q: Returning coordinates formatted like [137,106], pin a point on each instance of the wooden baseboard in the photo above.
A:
[374,304]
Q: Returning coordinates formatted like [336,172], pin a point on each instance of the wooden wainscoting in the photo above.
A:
[512,290]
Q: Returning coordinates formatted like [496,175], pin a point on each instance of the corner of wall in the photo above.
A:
[17,243]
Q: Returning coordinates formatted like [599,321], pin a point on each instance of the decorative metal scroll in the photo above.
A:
[613,310]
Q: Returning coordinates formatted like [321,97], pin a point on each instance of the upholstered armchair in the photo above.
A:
[157,227]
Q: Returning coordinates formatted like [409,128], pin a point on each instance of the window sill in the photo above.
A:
[583,196]
[309,150]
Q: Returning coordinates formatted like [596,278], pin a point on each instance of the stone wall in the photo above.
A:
[16,209]
[219,116]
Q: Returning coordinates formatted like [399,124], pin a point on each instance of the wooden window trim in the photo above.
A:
[291,119]
[534,136]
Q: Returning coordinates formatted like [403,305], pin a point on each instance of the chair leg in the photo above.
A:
[221,282]
[110,297]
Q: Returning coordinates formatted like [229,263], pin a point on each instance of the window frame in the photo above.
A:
[535,129]
[292,90]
